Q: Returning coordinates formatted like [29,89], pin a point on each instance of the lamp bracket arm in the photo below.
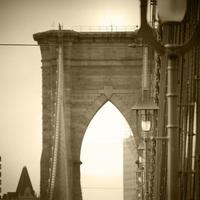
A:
[192,42]
[149,36]
[143,11]
[146,32]
[178,50]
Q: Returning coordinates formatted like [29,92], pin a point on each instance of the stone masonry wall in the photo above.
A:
[98,67]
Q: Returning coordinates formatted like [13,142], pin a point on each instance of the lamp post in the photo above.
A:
[146,111]
[140,172]
[170,11]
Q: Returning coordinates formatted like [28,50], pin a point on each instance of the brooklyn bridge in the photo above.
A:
[151,74]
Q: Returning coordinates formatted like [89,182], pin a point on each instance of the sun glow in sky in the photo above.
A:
[102,154]
[113,19]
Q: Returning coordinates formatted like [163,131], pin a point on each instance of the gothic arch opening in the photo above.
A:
[102,154]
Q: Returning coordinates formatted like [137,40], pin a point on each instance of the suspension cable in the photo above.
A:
[58,116]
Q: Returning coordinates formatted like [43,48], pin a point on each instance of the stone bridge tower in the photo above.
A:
[98,67]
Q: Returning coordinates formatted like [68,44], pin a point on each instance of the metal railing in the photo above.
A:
[110,28]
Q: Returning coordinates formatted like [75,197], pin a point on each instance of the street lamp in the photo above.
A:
[140,150]
[140,172]
[170,11]
[145,110]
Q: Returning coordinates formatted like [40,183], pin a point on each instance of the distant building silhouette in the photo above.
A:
[24,189]
[129,178]
[0,179]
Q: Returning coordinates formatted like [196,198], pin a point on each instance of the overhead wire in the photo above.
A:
[20,44]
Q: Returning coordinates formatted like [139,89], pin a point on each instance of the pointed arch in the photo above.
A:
[101,107]
[90,111]
[98,167]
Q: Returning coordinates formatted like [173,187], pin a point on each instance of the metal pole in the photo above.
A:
[143,183]
[146,165]
[145,70]
[172,129]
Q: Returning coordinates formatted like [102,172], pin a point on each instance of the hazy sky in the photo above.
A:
[20,73]
[102,155]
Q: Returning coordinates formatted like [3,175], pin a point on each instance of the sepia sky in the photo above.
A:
[20,76]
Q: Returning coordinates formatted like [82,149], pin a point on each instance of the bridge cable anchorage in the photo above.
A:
[59,125]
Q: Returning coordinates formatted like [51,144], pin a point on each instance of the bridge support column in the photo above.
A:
[76,192]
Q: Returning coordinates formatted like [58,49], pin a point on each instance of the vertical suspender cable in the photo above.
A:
[59,101]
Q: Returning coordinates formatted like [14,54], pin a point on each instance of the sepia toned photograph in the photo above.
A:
[100,100]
